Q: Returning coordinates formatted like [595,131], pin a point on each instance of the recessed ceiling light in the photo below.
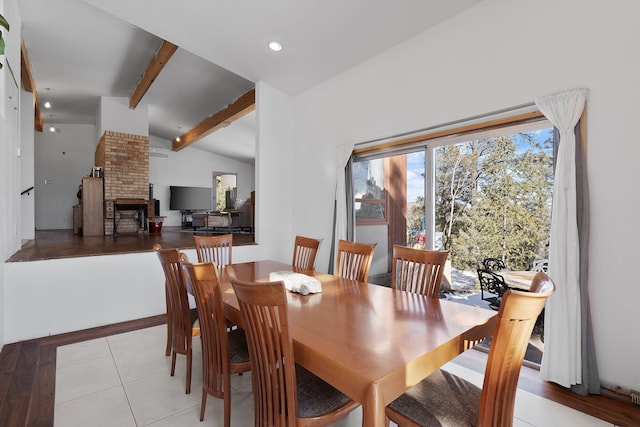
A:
[47,104]
[52,129]
[275,46]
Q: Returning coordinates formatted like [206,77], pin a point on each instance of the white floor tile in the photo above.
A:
[154,337]
[241,413]
[125,380]
[106,408]
[354,419]
[84,351]
[241,382]
[159,396]
[85,378]
[137,364]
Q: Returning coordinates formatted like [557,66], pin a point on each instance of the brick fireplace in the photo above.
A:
[124,159]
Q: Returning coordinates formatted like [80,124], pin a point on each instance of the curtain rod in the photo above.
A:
[451,123]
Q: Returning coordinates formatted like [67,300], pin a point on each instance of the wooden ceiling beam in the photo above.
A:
[29,84]
[220,119]
[154,68]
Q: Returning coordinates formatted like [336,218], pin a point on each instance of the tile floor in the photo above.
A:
[123,380]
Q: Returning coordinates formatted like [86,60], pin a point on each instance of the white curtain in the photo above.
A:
[562,359]
[340,232]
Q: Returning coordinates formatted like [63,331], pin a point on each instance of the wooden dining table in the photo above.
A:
[369,341]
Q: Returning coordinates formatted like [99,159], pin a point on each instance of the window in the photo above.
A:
[479,190]
[369,192]
[493,198]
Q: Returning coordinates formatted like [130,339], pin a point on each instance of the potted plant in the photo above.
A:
[5,24]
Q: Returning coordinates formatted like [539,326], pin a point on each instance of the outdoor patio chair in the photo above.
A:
[540,265]
[493,264]
[492,283]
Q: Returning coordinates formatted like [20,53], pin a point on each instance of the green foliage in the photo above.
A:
[415,221]
[5,24]
[494,200]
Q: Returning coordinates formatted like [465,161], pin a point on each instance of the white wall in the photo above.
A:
[57,296]
[115,115]
[10,228]
[27,131]
[193,167]
[499,54]
[62,159]
[379,234]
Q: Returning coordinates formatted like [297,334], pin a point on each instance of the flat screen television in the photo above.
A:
[190,198]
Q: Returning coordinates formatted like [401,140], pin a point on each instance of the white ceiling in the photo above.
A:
[82,52]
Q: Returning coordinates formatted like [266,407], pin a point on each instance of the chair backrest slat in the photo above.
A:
[418,271]
[215,249]
[354,260]
[305,250]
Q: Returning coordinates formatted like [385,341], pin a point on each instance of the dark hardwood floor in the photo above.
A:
[51,244]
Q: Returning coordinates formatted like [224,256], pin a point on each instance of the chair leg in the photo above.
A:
[188,389]
[167,351]
[203,404]
[227,401]
[173,363]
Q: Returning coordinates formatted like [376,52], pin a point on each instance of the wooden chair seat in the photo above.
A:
[453,402]
[316,397]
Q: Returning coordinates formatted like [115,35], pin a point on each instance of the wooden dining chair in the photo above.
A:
[416,270]
[354,260]
[224,351]
[216,249]
[305,250]
[444,399]
[192,306]
[179,314]
[284,393]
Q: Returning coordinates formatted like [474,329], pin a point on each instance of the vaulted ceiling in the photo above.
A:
[80,50]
